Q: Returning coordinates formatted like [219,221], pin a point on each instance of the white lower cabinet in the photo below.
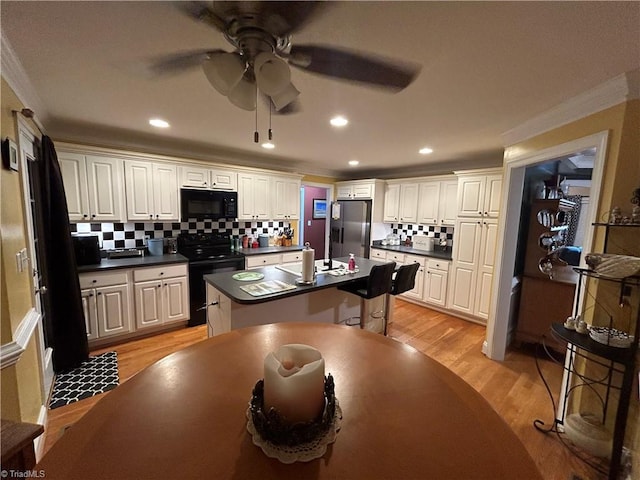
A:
[161,295]
[416,291]
[106,303]
[435,282]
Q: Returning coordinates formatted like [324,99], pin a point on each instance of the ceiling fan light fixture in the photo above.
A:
[285,97]
[272,73]
[224,71]
[243,95]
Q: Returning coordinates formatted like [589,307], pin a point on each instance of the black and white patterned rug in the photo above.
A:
[97,375]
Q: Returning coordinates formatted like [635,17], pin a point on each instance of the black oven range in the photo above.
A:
[207,253]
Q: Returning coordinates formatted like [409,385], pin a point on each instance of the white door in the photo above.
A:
[471,195]
[148,303]
[485,267]
[408,210]
[465,265]
[104,178]
[436,287]
[428,199]
[246,196]
[492,196]
[74,177]
[391,203]
[447,207]
[89,308]
[262,197]
[165,192]
[139,190]
[112,306]
[176,299]
[193,176]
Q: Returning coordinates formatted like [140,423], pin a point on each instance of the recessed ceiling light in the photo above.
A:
[338,121]
[268,145]
[425,151]
[354,163]
[159,123]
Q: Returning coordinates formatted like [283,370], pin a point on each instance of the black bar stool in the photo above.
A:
[403,281]
[378,283]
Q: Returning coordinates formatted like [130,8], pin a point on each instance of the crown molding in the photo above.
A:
[18,80]
[617,90]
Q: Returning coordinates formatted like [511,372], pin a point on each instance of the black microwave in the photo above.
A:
[207,204]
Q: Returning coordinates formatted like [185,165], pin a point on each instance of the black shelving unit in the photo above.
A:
[618,362]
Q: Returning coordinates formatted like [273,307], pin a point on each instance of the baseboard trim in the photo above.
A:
[38,443]
[11,352]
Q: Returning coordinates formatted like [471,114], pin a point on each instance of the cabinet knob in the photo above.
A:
[161,273]
[93,216]
[93,281]
[479,213]
[150,216]
[486,213]
[159,286]
[157,216]
[85,215]
[91,294]
[99,293]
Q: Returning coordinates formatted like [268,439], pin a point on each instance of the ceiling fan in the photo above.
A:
[260,32]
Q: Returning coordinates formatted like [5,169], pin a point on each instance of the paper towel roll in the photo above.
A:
[308,264]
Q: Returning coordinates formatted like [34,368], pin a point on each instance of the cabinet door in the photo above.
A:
[139,190]
[364,190]
[194,176]
[221,179]
[88,297]
[492,196]
[286,199]
[218,315]
[447,206]
[105,186]
[112,305]
[408,209]
[471,195]
[176,295]
[246,196]
[262,197]
[465,265]
[165,192]
[485,267]
[429,200]
[344,191]
[377,253]
[435,287]
[148,301]
[416,291]
[391,203]
[74,177]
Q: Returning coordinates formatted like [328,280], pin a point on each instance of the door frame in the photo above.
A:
[495,345]
[330,198]
[28,153]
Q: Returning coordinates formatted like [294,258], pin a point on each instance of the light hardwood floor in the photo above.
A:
[512,387]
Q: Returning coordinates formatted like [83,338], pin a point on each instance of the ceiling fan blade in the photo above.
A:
[365,68]
[278,18]
[175,63]
[202,12]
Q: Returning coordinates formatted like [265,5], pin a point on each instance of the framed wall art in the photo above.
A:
[319,208]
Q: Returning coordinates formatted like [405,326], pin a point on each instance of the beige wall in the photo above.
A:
[21,383]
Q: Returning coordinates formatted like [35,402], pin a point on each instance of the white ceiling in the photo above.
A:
[487,68]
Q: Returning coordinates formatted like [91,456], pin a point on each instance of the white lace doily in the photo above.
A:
[305,452]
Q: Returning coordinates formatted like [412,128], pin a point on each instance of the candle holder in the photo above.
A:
[291,442]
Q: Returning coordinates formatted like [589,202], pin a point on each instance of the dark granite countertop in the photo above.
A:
[437,252]
[229,287]
[266,250]
[133,262]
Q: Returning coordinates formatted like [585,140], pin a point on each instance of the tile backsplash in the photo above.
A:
[409,230]
[132,235]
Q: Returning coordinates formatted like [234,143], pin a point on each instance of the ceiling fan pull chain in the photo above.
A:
[270,110]
[256,135]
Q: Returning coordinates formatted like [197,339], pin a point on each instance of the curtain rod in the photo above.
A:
[28,113]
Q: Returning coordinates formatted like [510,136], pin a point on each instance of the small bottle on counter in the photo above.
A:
[352,263]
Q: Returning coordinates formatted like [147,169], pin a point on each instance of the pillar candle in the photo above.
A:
[294,382]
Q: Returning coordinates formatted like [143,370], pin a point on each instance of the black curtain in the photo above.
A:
[69,335]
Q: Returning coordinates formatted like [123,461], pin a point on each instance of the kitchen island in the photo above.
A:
[230,306]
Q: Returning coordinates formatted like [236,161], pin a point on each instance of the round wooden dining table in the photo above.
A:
[405,416]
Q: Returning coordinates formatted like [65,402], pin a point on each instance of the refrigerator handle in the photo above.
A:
[342,235]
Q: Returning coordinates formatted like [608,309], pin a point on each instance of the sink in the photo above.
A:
[296,268]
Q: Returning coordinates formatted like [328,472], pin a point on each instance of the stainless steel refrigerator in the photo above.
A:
[350,228]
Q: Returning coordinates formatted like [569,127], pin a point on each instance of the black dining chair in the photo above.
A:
[377,283]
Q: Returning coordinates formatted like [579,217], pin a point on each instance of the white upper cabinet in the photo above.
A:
[93,186]
[447,206]
[286,198]
[429,202]
[391,202]
[479,195]
[401,202]
[355,190]
[254,196]
[195,176]
[151,191]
